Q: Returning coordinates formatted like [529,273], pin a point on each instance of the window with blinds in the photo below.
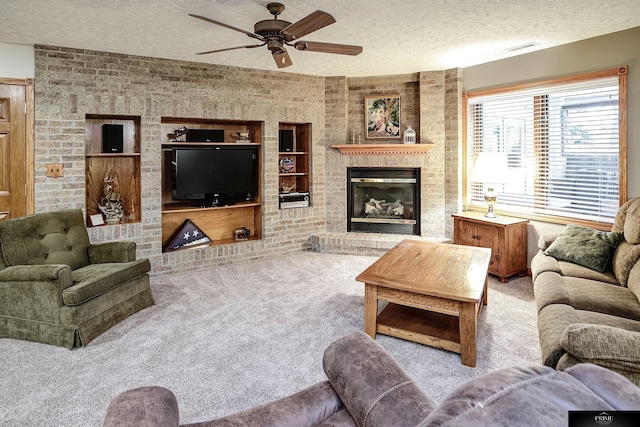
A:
[562,142]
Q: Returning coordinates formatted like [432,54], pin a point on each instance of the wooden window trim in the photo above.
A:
[622,73]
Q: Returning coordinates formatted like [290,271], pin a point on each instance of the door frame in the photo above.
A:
[29,141]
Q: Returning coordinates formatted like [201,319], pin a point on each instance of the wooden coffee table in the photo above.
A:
[435,292]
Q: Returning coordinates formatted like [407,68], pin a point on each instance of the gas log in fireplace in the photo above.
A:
[383,200]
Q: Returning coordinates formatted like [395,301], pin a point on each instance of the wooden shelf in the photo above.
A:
[124,168]
[219,222]
[208,144]
[113,155]
[181,207]
[299,179]
[382,149]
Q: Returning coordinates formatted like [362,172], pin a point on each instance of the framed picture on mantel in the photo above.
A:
[383,116]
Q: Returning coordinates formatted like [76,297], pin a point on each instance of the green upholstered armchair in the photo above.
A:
[57,288]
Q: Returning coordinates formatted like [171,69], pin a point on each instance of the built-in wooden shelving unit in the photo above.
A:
[219,222]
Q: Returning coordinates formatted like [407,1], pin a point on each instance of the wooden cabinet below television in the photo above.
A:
[218,222]
[294,155]
[112,158]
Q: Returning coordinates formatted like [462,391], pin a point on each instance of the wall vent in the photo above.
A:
[522,46]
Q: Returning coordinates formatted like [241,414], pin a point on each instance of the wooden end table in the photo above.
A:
[435,292]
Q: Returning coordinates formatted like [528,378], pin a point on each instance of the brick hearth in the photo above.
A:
[362,243]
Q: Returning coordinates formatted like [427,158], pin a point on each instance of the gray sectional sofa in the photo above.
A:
[587,315]
[366,387]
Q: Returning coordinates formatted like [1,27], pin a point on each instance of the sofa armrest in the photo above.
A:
[144,406]
[603,345]
[541,263]
[157,406]
[34,292]
[546,240]
[59,273]
[306,408]
[372,386]
[100,253]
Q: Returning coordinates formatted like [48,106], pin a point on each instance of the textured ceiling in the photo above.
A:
[398,36]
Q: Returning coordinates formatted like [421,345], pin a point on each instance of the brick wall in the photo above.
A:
[71,83]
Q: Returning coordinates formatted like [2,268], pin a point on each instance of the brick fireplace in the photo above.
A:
[383,200]
[431,104]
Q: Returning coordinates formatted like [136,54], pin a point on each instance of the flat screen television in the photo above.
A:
[216,175]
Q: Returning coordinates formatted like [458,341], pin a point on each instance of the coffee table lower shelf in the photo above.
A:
[425,327]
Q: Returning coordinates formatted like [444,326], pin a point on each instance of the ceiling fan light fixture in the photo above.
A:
[276,33]
[275,45]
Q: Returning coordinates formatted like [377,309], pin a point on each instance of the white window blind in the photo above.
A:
[562,148]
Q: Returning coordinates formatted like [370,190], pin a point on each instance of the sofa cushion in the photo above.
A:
[569,269]
[585,294]
[58,237]
[554,319]
[603,345]
[542,263]
[585,246]
[97,279]
[601,297]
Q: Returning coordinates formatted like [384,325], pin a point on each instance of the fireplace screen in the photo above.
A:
[383,200]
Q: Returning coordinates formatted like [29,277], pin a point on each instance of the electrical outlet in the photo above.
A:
[54,170]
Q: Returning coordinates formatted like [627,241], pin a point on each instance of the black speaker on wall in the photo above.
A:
[205,135]
[112,138]
[286,140]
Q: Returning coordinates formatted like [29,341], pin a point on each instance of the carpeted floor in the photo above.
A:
[237,336]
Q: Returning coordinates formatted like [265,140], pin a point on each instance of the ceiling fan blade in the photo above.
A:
[251,46]
[282,58]
[248,33]
[309,24]
[341,49]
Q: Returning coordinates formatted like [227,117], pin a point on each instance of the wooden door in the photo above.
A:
[488,237]
[467,233]
[14,160]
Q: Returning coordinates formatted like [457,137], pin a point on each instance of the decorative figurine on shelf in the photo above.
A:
[243,136]
[287,165]
[409,136]
[110,203]
[241,234]
[181,131]
[284,188]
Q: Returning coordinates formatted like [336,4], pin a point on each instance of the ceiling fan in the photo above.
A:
[276,33]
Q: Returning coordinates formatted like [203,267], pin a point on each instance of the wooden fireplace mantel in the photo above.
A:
[382,149]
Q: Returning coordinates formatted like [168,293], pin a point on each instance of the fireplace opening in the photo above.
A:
[383,200]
